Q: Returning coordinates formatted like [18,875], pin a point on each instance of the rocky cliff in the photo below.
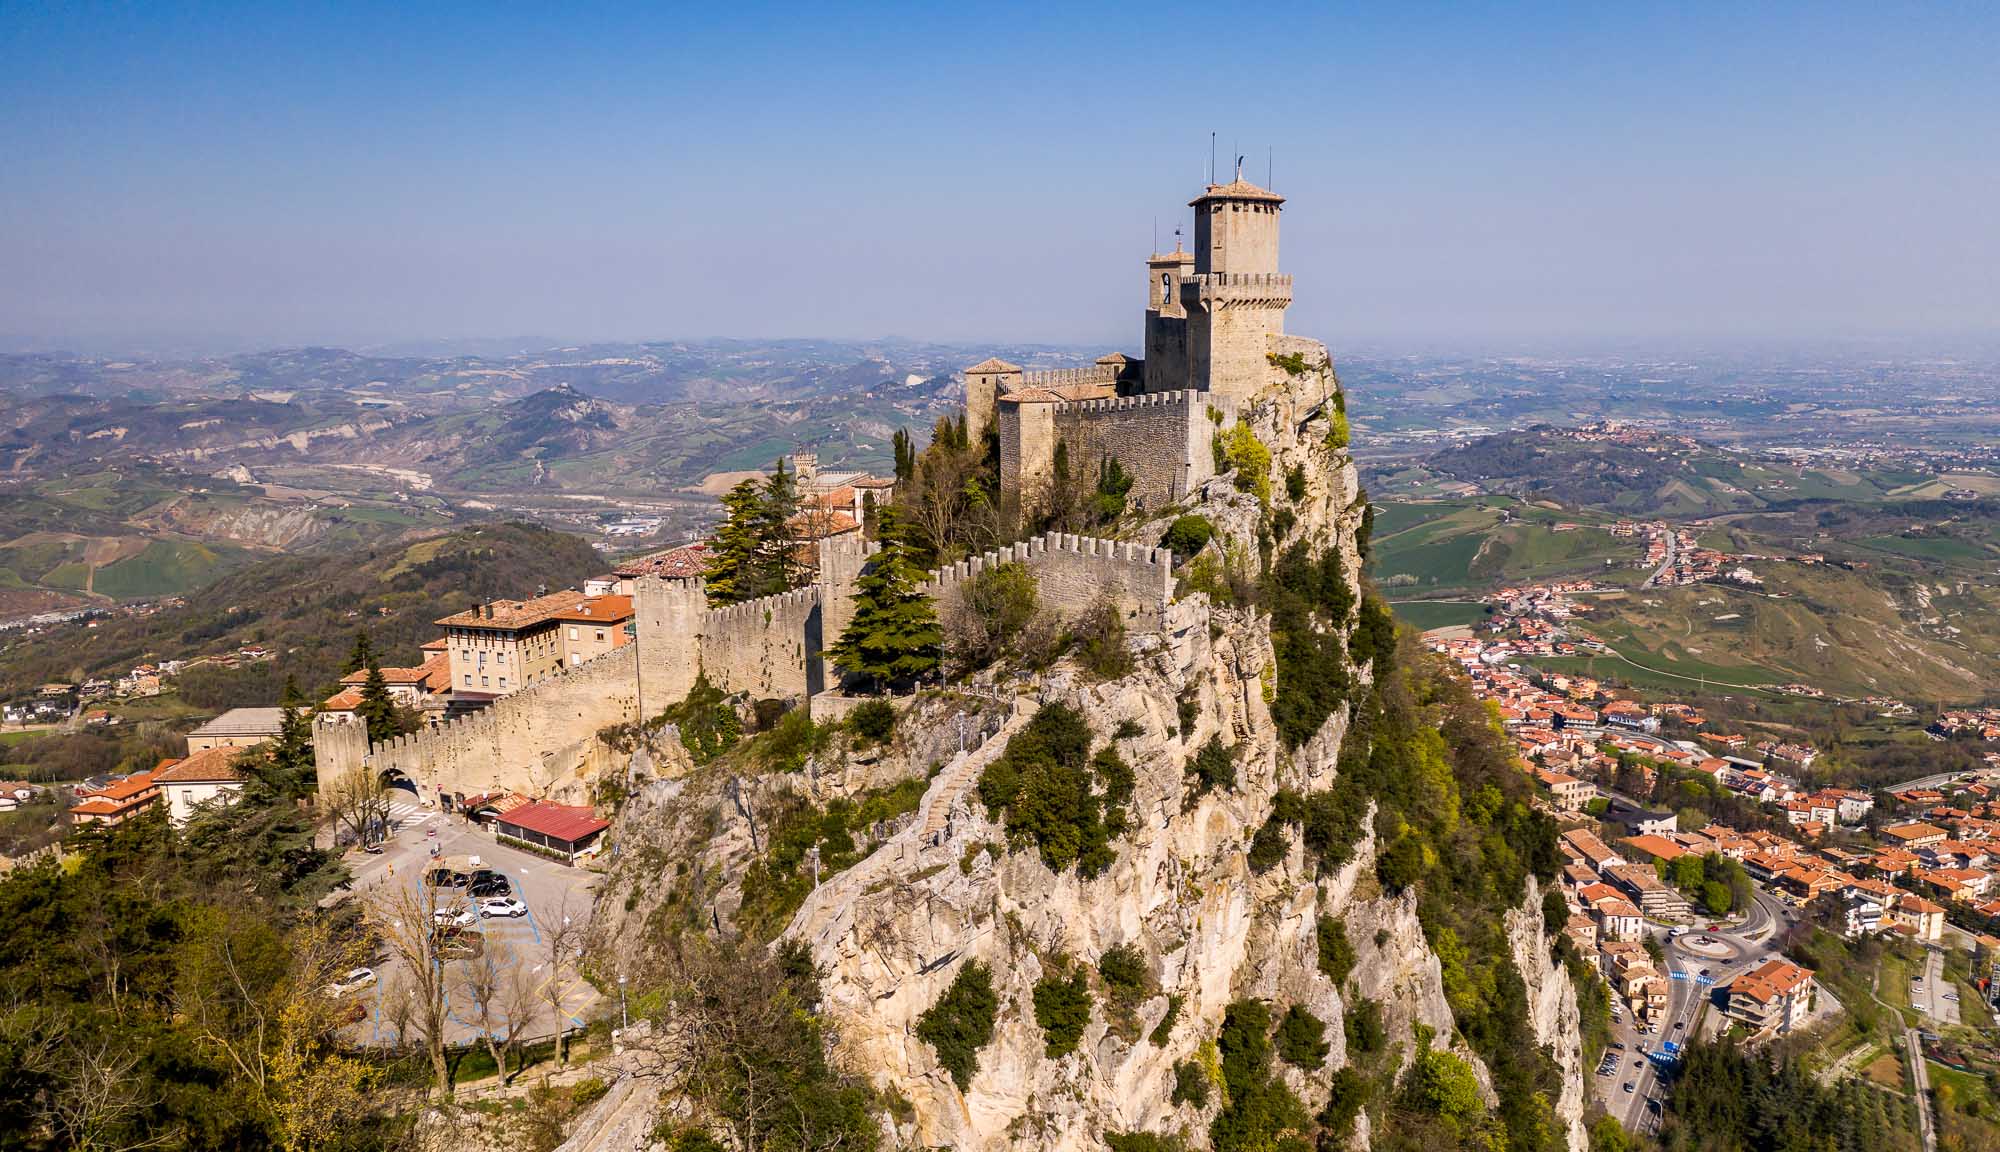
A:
[943,887]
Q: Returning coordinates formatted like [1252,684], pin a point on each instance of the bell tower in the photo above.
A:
[1236,297]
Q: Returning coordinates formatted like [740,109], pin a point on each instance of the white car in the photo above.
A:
[502,906]
[462,918]
[354,981]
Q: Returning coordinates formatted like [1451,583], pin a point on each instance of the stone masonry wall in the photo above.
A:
[768,647]
[1159,438]
[527,741]
[1072,573]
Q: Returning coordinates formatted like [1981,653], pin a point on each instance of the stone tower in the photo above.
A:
[1166,367]
[985,383]
[1236,298]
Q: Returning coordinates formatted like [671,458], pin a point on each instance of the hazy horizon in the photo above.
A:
[1575,176]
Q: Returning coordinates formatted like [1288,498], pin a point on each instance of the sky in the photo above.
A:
[247,176]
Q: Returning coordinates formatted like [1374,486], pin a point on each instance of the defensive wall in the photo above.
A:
[1160,439]
[529,741]
[536,740]
[1072,573]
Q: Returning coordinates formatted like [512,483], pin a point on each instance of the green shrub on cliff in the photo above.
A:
[1062,1008]
[961,1022]
[1187,535]
[1051,792]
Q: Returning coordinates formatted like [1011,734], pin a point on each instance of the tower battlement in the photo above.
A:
[1213,316]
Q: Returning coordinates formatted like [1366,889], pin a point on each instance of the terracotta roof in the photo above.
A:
[994,364]
[566,822]
[819,525]
[1085,391]
[209,766]
[599,610]
[683,563]
[1031,396]
[1237,189]
[390,675]
[345,700]
[514,615]
[1770,980]
[1114,358]
[128,787]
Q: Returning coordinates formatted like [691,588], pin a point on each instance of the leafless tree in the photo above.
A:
[96,1097]
[419,923]
[564,929]
[358,801]
[479,980]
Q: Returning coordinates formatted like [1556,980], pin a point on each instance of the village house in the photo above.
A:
[1773,998]
[208,776]
[116,800]
[1653,896]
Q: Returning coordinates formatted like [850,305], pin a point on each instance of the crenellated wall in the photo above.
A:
[530,741]
[537,740]
[1160,438]
[1072,573]
[767,648]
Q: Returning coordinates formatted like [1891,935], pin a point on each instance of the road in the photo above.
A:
[1920,1078]
[1688,1000]
[1928,992]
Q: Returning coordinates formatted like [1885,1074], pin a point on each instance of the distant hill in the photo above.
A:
[307,608]
[1642,474]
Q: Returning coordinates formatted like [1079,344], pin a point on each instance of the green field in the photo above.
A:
[167,568]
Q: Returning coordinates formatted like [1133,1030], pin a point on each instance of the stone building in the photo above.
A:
[1214,327]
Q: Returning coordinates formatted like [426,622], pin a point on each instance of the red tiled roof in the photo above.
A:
[599,610]
[209,766]
[683,563]
[565,822]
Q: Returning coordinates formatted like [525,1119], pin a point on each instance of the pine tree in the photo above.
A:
[732,574]
[894,636]
[291,754]
[363,654]
[377,708]
[779,563]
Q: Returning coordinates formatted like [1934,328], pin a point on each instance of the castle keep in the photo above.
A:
[1214,318]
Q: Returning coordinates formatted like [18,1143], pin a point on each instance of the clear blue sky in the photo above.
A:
[349,173]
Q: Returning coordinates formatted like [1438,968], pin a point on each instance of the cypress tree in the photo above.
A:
[363,654]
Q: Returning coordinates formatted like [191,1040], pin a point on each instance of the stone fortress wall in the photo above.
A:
[535,740]
[1160,438]
[1072,573]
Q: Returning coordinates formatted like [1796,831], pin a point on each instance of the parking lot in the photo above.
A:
[519,945]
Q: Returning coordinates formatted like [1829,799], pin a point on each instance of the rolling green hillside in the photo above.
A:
[308,607]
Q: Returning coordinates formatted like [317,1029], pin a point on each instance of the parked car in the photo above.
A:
[1628,1086]
[501,906]
[446,878]
[460,918]
[480,889]
[355,980]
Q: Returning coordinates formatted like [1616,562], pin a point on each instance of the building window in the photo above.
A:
[483,682]
[572,633]
[503,681]
[468,679]
[600,635]
[499,657]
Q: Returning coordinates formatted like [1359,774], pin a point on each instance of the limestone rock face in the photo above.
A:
[943,889]
[1552,1008]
